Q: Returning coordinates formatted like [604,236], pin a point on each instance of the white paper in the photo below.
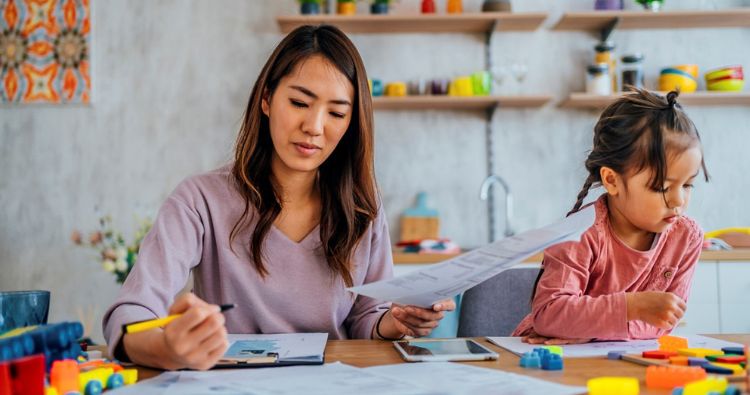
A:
[289,346]
[449,278]
[454,378]
[599,349]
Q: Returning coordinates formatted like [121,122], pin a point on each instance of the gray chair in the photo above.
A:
[496,306]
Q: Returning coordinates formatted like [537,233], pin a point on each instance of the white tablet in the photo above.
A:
[432,350]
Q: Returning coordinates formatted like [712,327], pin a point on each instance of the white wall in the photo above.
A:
[171,80]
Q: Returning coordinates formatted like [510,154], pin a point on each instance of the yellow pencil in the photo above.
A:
[159,322]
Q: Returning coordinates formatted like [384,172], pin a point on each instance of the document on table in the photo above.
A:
[455,378]
[290,347]
[600,349]
[449,278]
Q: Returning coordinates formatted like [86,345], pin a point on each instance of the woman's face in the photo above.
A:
[308,115]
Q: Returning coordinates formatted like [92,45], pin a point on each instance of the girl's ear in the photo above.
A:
[611,181]
[265,105]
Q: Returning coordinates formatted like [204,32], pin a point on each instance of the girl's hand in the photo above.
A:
[412,320]
[195,340]
[660,309]
[535,338]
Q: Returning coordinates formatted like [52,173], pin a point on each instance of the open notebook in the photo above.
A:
[274,350]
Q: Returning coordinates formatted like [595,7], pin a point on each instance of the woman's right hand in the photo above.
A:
[195,340]
[660,309]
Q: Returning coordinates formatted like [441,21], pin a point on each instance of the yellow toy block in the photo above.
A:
[703,387]
[100,374]
[736,368]
[699,352]
[130,376]
[613,386]
[50,391]
[672,343]
[555,350]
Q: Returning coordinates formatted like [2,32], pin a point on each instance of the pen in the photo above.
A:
[159,322]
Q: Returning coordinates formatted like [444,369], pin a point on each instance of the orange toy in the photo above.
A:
[679,360]
[672,343]
[668,377]
[64,376]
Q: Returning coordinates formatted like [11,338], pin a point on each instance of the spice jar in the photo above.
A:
[605,53]
[632,72]
[598,80]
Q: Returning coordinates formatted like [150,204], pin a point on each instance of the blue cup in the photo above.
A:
[23,308]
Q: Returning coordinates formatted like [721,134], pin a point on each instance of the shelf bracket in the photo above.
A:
[609,28]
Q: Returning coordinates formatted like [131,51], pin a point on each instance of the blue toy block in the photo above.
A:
[693,361]
[733,350]
[552,362]
[542,352]
[711,368]
[531,360]
[677,391]
[615,355]
[732,390]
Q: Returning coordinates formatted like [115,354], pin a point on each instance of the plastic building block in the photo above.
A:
[694,361]
[679,360]
[64,376]
[531,360]
[555,350]
[732,390]
[733,350]
[55,341]
[737,359]
[672,343]
[703,387]
[659,354]
[735,368]
[53,391]
[129,375]
[615,355]
[100,374]
[613,386]
[699,352]
[5,383]
[27,375]
[711,368]
[668,377]
[552,362]
[542,352]
[93,354]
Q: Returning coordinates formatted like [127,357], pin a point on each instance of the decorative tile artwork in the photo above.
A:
[45,51]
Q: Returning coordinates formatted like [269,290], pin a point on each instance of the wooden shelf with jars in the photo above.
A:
[586,100]
[597,21]
[458,103]
[420,23]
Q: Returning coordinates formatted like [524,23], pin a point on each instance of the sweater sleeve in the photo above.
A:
[680,285]
[366,310]
[167,254]
[560,308]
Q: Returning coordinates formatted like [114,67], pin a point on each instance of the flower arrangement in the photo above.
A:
[115,255]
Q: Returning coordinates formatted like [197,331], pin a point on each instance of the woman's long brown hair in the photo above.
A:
[346,179]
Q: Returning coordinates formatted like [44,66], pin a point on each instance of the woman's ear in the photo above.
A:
[611,181]
[265,104]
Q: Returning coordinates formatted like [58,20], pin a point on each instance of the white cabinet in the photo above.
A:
[702,315]
[734,296]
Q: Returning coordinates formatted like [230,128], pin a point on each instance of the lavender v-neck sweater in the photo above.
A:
[300,294]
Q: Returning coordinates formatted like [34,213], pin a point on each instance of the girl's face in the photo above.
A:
[308,115]
[640,208]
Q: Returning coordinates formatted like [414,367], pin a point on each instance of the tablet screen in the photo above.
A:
[443,347]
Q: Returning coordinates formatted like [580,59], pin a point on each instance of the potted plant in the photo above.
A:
[651,5]
[346,7]
[379,7]
[309,7]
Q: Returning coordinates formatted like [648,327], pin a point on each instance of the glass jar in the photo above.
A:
[632,72]
[598,79]
[605,53]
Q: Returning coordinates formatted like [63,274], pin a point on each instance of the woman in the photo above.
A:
[281,232]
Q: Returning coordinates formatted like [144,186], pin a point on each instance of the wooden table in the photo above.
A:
[365,353]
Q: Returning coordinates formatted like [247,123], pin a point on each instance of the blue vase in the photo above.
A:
[310,8]
[23,308]
[379,8]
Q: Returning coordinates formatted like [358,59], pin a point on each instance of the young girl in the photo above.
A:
[629,276]
[282,231]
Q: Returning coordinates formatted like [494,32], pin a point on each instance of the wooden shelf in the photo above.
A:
[585,100]
[457,103]
[419,23]
[598,20]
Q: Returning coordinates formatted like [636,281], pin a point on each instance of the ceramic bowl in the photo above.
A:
[671,81]
[723,72]
[728,85]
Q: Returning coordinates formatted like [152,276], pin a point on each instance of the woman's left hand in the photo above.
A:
[414,321]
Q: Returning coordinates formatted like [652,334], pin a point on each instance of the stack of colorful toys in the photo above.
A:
[546,358]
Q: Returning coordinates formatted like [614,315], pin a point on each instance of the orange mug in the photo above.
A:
[455,6]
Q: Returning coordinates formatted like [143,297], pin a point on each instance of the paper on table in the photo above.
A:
[454,378]
[289,346]
[449,278]
[600,349]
